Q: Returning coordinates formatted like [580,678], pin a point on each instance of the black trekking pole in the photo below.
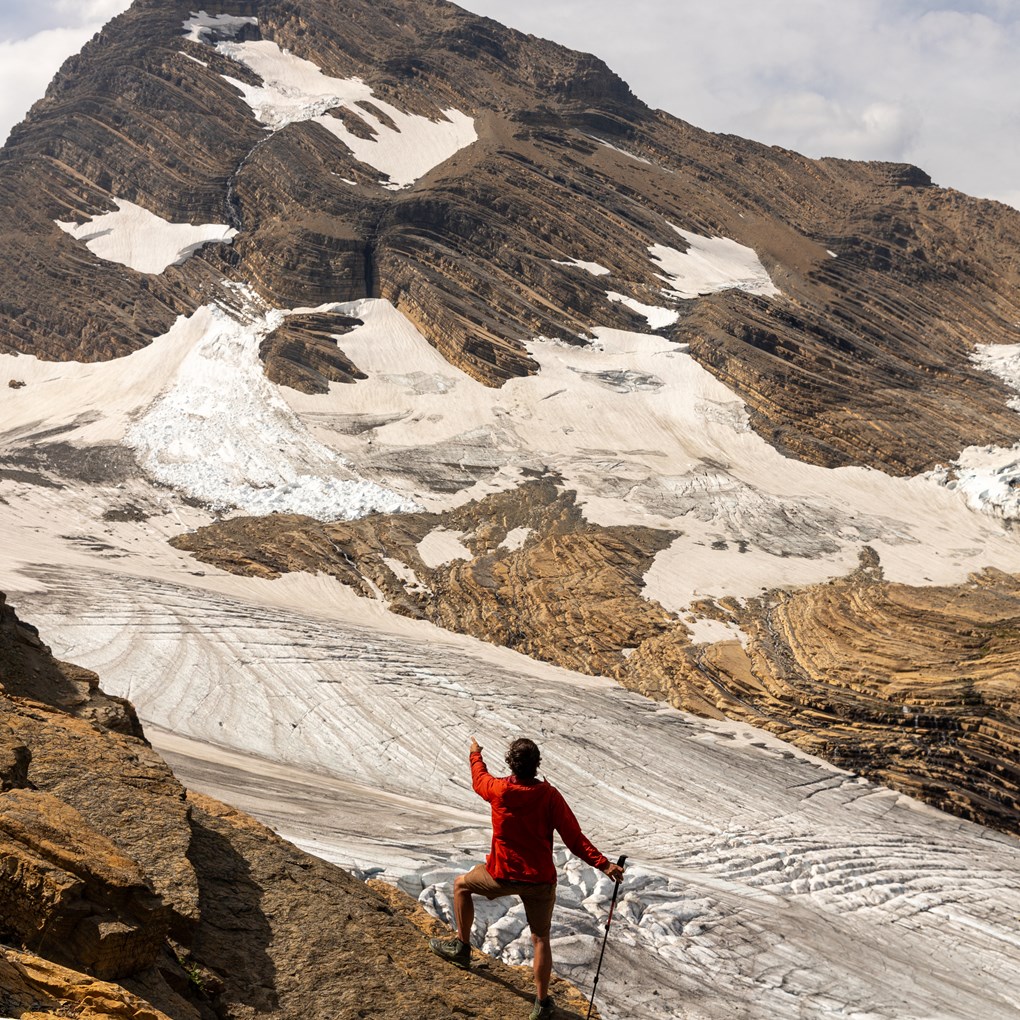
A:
[609,921]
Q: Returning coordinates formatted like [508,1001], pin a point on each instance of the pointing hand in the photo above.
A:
[474,745]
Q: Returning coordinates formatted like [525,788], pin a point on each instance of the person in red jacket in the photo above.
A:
[525,811]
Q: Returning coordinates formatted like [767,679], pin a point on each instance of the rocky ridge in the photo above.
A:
[125,895]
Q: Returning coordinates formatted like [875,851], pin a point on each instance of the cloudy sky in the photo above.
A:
[931,82]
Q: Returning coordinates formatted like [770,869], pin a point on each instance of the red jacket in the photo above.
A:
[523,818]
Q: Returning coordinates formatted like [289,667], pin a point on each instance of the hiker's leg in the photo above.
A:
[538,908]
[463,910]
[543,964]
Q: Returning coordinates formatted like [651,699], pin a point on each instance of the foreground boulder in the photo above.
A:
[66,885]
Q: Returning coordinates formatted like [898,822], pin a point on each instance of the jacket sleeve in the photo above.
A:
[577,842]
[483,783]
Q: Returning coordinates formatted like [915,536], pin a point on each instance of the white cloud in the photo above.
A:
[35,39]
[20,19]
[808,121]
[923,81]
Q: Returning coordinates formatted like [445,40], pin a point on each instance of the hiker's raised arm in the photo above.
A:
[480,779]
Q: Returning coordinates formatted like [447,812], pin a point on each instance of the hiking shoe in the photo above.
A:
[456,952]
[543,1009]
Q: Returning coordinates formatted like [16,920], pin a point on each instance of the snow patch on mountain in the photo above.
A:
[515,539]
[1003,361]
[202,27]
[595,268]
[222,434]
[443,546]
[403,146]
[707,631]
[710,265]
[988,477]
[645,436]
[623,152]
[133,236]
[658,317]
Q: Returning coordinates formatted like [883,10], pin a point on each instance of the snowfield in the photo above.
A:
[133,236]
[763,883]
[656,316]
[710,265]
[989,476]
[402,146]
[221,433]
[633,424]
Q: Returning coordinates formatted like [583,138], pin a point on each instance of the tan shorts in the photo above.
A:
[538,897]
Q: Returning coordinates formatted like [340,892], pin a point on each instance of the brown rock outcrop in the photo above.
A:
[302,353]
[917,688]
[34,987]
[72,740]
[65,885]
[569,594]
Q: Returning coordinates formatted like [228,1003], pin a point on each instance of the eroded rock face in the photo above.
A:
[885,283]
[913,687]
[302,352]
[32,986]
[65,884]
[521,569]
[124,790]
[916,688]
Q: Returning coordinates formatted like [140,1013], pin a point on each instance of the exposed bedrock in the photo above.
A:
[34,986]
[886,281]
[531,573]
[918,688]
[68,889]
[302,352]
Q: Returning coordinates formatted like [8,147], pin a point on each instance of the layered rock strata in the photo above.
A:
[885,282]
[522,569]
[914,687]
[302,353]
